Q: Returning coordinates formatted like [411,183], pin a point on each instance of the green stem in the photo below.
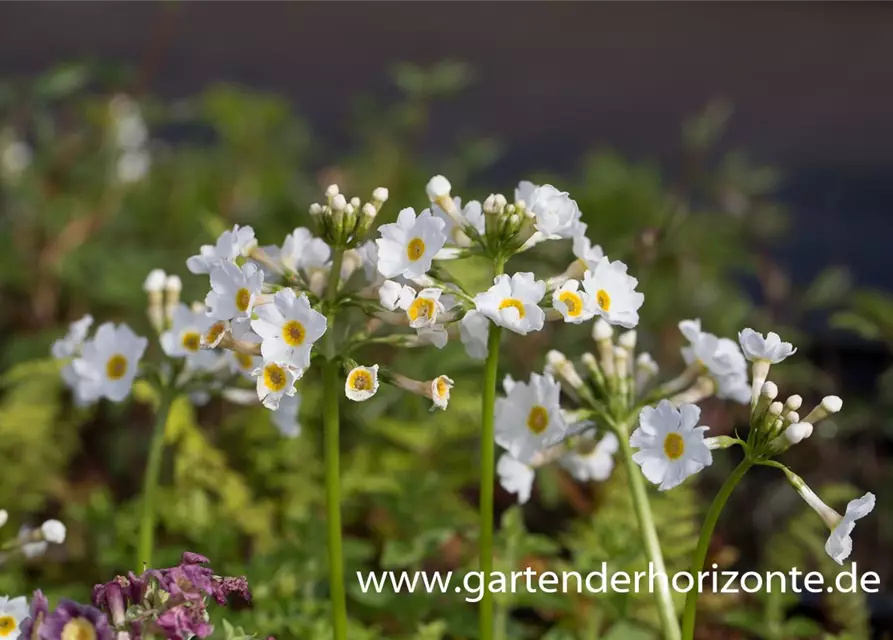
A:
[330,397]
[665,608]
[488,470]
[150,483]
[700,556]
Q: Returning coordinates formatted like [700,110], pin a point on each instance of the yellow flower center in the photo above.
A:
[214,333]
[361,380]
[116,367]
[415,249]
[674,446]
[513,303]
[293,333]
[243,299]
[603,299]
[7,626]
[442,386]
[421,308]
[573,302]
[78,629]
[274,377]
[192,341]
[245,361]
[538,419]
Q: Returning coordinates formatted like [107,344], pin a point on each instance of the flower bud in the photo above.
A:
[380,195]
[339,202]
[332,191]
[315,209]
[793,403]
[627,340]
[792,417]
[53,531]
[601,330]
[797,432]
[355,202]
[438,187]
[4,516]
[563,368]
[173,285]
[829,405]
[621,362]
[499,201]
[155,281]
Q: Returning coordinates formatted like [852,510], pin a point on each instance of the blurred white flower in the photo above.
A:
[473,331]
[585,250]
[53,531]
[132,166]
[597,463]
[670,445]
[285,419]
[529,418]
[230,245]
[108,363]
[71,344]
[301,251]
[515,477]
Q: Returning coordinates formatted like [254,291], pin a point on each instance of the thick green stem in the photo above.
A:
[700,556]
[330,398]
[664,597]
[488,472]
[150,483]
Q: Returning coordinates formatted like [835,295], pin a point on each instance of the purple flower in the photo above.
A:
[184,621]
[110,598]
[39,610]
[193,558]
[73,620]
[223,587]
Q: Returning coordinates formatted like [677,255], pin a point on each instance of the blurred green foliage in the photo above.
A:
[75,238]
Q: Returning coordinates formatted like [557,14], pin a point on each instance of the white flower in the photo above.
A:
[132,166]
[557,216]
[230,245]
[733,386]
[361,383]
[515,477]
[71,344]
[12,612]
[53,531]
[721,357]
[524,192]
[671,446]
[575,306]
[130,130]
[184,338]
[770,349]
[108,363]
[473,331]
[274,381]
[30,547]
[584,249]
[233,290]
[407,247]
[513,302]
[301,251]
[529,418]
[369,255]
[440,391]
[422,311]
[472,214]
[839,544]
[15,158]
[285,418]
[435,335]
[595,465]
[289,327]
[614,292]
[393,295]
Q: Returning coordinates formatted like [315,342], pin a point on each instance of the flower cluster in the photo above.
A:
[172,603]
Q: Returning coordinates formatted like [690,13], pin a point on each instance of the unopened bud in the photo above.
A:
[828,406]
[770,391]
[173,285]
[601,330]
[155,281]
[438,187]
[627,340]
[563,368]
[499,201]
[339,202]
[315,209]
[798,432]
[332,191]
[355,202]
[793,403]
[792,417]
[380,195]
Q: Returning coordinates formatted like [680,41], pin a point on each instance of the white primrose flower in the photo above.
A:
[289,328]
[557,215]
[515,477]
[32,545]
[422,311]
[721,357]
[393,295]
[670,445]
[576,306]
[473,330]
[596,464]
[763,352]
[614,292]
[361,383]
[770,349]
[275,380]
[12,612]
[472,214]
[839,544]
[70,345]
[285,418]
[230,245]
[524,192]
[301,251]
[108,363]
[184,338]
[513,302]
[407,247]
[529,418]
[584,249]
[435,335]
[233,290]
[440,391]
